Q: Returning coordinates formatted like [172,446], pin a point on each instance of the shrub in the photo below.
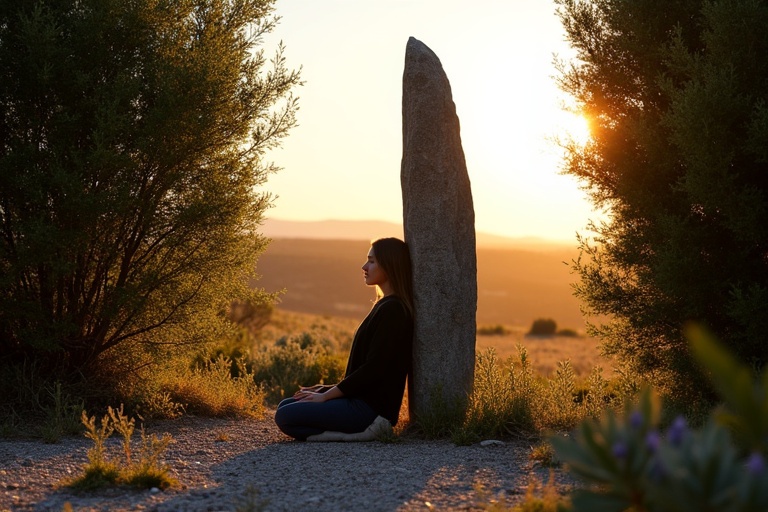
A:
[143,471]
[296,361]
[543,327]
[631,462]
[218,388]
[508,400]
[491,404]
[445,419]
[31,405]
[492,330]
[537,498]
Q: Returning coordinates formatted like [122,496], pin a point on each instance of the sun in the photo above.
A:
[571,127]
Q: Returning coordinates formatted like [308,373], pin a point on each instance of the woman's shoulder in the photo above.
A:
[391,305]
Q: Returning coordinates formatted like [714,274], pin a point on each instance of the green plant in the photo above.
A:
[526,394]
[100,471]
[508,400]
[544,454]
[295,361]
[537,498]
[678,111]
[212,390]
[147,471]
[62,415]
[563,414]
[492,330]
[136,221]
[144,471]
[490,404]
[442,418]
[543,327]
[631,462]
[33,405]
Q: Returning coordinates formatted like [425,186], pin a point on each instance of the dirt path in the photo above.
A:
[249,465]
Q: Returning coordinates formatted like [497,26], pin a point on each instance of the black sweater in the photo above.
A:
[380,358]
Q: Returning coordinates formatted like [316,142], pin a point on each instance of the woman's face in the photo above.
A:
[374,274]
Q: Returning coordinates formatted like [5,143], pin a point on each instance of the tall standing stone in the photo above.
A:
[439,223]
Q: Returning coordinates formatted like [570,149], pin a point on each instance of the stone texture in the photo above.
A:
[439,224]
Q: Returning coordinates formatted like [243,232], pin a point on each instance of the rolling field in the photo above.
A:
[515,286]
[324,291]
[544,353]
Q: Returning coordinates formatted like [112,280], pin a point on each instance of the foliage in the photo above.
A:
[35,406]
[143,471]
[60,415]
[630,463]
[218,388]
[501,402]
[444,418]
[132,143]
[492,330]
[294,361]
[509,400]
[544,454]
[675,95]
[537,499]
[543,327]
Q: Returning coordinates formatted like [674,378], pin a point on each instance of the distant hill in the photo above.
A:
[515,286]
[372,229]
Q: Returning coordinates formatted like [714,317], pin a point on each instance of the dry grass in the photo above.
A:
[515,286]
[544,353]
[288,323]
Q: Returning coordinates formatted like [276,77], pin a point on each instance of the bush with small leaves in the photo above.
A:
[222,387]
[632,463]
[143,470]
[543,327]
[492,330]
[295,361]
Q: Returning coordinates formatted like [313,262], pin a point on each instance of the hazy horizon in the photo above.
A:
[371,229]
[343,159]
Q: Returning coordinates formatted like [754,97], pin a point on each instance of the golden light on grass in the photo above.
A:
[544,353]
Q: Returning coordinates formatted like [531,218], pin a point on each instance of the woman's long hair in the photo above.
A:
[394,258]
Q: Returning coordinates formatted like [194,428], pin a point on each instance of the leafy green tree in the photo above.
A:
[676,95]
[132,143]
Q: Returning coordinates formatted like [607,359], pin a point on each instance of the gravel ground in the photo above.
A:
[249,465]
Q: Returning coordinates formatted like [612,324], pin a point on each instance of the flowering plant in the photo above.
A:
[629,463]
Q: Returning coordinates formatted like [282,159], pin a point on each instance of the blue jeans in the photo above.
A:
[302,419]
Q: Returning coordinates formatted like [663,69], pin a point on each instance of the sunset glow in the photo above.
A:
[343,161]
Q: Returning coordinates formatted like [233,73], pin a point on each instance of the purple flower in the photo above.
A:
[755,464]
[677,431]
[620,449]
[652,440]
[636,419]
[658,470]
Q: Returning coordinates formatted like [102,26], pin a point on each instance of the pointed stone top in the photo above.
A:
[415,49]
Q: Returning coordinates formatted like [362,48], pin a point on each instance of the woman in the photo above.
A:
[367,401]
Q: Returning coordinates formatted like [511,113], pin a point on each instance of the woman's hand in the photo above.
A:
[307,395]
[316,388]
[310,396]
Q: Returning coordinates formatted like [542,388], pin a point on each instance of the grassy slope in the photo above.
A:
[514,286]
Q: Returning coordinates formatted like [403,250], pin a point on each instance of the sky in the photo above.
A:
[342,162]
